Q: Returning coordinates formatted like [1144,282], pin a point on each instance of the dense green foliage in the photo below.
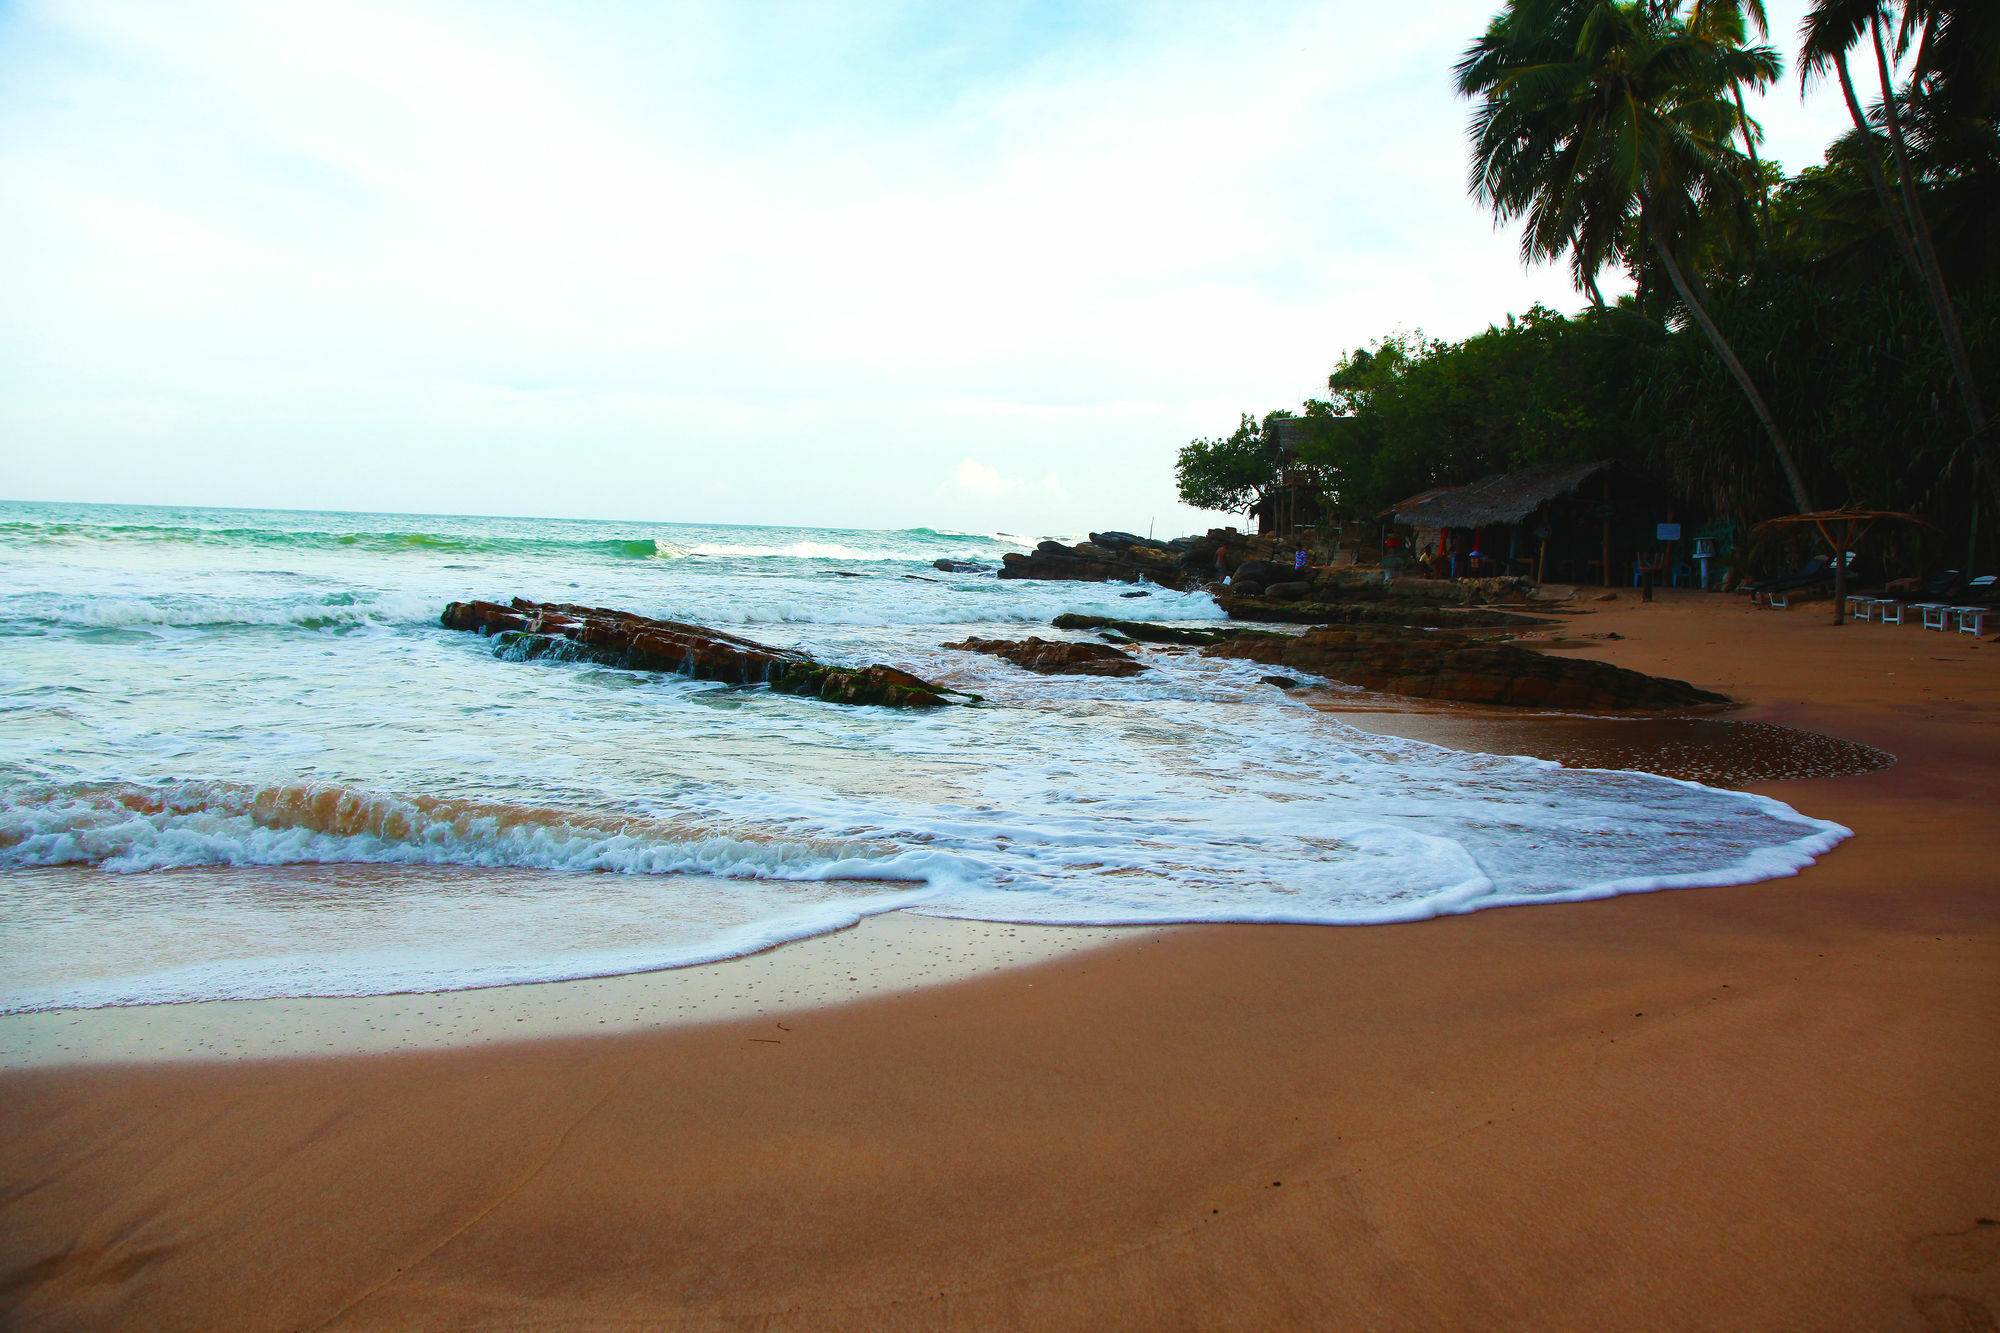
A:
[1817,284]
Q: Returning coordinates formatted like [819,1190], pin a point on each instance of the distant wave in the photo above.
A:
[624,548]
[333,611]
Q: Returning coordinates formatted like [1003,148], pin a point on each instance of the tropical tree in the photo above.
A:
[1958,47]
[1608,128]
[1227,474]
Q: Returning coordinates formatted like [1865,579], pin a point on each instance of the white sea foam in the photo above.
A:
[151,782]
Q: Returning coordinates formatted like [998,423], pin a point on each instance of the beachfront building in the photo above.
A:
[1596,522]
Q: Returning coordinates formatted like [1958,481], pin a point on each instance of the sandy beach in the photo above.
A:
[1763,1107]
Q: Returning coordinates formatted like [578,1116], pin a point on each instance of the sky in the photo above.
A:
[982,265]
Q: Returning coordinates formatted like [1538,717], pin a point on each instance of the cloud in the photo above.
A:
[984,480]
[376,247]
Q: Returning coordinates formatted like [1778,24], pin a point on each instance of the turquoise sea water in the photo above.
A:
[239,756]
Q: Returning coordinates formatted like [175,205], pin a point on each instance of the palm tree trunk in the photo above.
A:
[1920,231]
[1800,495]
[1897,226]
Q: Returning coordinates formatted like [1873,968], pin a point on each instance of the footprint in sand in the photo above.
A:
[1969,1251]
[1954,1314]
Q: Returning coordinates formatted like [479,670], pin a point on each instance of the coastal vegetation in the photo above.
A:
[1786,342]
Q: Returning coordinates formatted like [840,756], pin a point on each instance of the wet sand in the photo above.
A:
[1772,1106]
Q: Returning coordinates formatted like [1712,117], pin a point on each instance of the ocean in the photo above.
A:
[240,757]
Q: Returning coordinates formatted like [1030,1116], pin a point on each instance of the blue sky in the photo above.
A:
[979,265]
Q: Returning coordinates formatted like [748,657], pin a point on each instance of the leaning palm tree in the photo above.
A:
[1606,128]
[1956,41]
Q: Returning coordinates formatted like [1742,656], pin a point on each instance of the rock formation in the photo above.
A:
[1413,613]
[1432,666]
[618,638]
[1055,657]
[1105,558]
[1144,631]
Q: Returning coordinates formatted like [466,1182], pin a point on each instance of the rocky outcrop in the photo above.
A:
[1428,666]
[1411,612]
[1143,631]
[1106,558]
[618,638]
[1056,657]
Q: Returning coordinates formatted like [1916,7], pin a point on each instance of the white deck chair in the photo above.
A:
[1936,614]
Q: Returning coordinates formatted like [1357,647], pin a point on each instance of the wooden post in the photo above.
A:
[1607,533]
[1542,563]
[1839,587]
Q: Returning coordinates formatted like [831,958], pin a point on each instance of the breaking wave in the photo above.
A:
[128,827]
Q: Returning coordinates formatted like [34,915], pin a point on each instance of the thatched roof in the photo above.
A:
[1507,498]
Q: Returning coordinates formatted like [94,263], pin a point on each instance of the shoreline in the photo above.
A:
[1759,1107]
[885,953]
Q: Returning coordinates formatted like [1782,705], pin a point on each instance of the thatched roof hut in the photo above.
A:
[1505,499]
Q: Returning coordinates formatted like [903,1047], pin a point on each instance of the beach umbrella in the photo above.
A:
[1842,530]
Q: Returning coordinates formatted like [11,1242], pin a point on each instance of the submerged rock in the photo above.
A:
[1052,657]
[1429,666]
[1144,631]
[621,639]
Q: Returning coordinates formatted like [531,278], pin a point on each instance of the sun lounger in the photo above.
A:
[1860,606]
[1888,610]
[1777,592]
[1937,587]
[1972,619]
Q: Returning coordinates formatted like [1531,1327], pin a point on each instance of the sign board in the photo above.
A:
[1670,532]
[1607,512]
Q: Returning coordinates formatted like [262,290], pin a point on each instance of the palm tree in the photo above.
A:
[1607,127]
[1728,23]
[1957,45]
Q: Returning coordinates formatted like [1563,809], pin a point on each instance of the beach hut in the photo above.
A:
[1580,522]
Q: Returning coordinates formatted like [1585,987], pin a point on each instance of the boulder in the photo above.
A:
[1289,592]
[1430,666]
[1265,572]
[961,566]
[559,630]
[1053,657]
